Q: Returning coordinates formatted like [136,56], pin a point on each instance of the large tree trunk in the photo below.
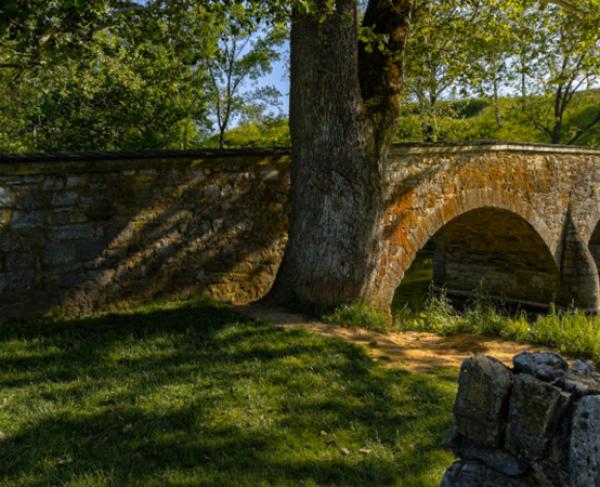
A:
[343,112]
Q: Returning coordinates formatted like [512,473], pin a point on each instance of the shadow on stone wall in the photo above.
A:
[81,237]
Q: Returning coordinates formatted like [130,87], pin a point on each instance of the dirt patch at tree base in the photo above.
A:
[414,351]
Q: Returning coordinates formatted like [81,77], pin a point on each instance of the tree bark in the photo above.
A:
[343,110]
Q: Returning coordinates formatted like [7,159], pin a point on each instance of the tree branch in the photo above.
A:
[381,70]
[582,131]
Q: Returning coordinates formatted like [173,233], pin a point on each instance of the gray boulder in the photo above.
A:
[534,411]
[475,474]
[484,385]
[584,450]
[584,367]
[579,384]
[546,366]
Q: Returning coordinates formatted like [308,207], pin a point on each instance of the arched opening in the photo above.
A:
[489,249]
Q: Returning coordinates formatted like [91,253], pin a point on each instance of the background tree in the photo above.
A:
[563,57]
[243,51]
[493,50]
[445,28]
[124,79]
[116,74]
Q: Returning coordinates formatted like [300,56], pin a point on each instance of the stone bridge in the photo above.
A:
[521,220]
[83,232]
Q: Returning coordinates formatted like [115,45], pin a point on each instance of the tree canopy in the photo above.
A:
[124,74]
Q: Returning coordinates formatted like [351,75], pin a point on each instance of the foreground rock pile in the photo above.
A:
[537,424]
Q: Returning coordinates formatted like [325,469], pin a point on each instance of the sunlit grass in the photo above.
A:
[358,316]
[192,394]
[569,331]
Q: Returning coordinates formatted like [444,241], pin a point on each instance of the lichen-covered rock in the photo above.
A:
[534,411]
[584,450]
[471,473]
[484,385]
[546,366]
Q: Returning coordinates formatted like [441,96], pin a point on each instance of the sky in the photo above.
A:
[279,78]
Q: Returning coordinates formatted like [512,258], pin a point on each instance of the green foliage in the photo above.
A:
[117,74]
[192,394]
[266,133]
[243,48]
[358,315]
[475,119]
[571,331]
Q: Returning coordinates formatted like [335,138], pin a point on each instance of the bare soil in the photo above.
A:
[418,352]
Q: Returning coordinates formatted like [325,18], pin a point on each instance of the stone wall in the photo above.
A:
[84,232]
[537,424]
[80,233]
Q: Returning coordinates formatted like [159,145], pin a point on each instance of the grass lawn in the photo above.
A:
[192,394]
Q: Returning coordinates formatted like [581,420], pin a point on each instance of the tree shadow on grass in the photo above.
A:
[196,395]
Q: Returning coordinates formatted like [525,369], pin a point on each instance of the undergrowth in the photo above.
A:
[569,331]
[358,316]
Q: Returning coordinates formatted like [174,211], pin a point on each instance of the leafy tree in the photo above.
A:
[433,72]
[244,48]
[134,83]
[494,46]
[267,132]
[563,57]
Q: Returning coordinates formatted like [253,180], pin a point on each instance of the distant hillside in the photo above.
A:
[475,119]
[472,119]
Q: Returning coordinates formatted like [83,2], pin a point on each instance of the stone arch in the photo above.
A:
[429,223]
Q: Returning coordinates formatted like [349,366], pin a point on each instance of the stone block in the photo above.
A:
[31,199]
[472,473]
[579,384]
[65,199]
[53,183]
[16,262]
[33,179]
[546,366]
[494,458]
[585,367]
[8,244]
[584,450]
[76,181]
[16,281]
[484,386]
[27,220]
[59,254]
[6,197]
[73,232]
[89,250]
[534,411]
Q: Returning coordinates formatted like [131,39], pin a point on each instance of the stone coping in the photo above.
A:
[491,146]
[144,154]
[283,153]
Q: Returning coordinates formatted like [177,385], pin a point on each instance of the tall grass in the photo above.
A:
[358,316]
[569,331]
